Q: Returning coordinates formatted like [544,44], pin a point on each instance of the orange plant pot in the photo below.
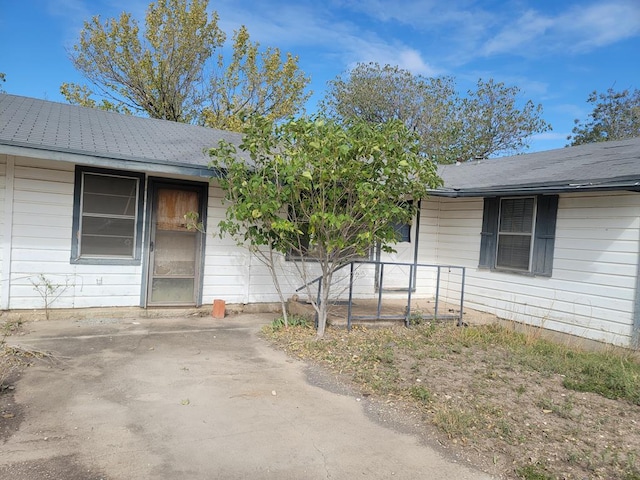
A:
[218,309]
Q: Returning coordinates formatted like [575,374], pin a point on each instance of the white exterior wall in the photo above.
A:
[232,274]
[592,289]
[41,244]
[591,292]
[3,215]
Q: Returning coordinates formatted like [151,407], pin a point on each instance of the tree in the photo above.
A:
[169,70]
[3,78]
[379,94]
[254,83]
[492,123]
[487,122]
[324,191]
[615,116]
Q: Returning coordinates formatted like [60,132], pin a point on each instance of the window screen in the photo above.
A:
[108,211]
[515,233]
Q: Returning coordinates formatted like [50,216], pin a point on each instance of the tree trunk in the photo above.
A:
[323,308]
[269,261]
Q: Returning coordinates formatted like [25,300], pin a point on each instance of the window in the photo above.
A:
[515,231]
[403,230]
[518,234]
[107,217]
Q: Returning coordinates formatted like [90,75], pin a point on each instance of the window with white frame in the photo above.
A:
[107,216]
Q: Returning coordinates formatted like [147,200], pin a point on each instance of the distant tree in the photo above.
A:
[3,78]
[378,94]
[492,124]
[168,71]
[487,122]
[615,116]
[253,83]
[323,191]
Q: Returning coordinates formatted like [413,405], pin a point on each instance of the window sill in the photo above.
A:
[514,272]
[104,261]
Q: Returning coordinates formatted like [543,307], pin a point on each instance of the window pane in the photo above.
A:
[403,232]
[109,195]
[108,227]
[513,251]
[172,290]
[175,253]
[516,215]
[107,236]
[107,246]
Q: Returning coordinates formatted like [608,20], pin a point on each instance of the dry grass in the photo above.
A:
[532,409]
[14,358]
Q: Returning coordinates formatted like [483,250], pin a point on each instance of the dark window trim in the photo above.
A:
[541,264]
[77,201]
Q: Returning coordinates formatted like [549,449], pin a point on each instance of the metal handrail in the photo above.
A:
[412,277]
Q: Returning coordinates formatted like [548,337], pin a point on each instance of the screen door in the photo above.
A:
[174,249]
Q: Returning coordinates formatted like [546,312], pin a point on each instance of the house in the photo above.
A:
[97,209]
[550,239]
[93,204]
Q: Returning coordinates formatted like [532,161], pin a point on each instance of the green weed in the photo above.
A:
[292,321]
[421,393]
[533,472]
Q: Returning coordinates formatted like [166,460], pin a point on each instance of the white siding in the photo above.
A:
[234,275]
[3,178]
[591,292]
[42,222]
[230,272]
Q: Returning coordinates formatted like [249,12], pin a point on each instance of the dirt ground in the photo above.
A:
[195,398]
[485,405]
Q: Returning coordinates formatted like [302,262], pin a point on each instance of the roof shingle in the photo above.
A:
[40,124]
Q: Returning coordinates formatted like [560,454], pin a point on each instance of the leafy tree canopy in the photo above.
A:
[486,122]
[325,190]
[615,116]
[169,70]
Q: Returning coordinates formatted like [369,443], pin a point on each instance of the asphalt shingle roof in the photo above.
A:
[143,143]
[44,125]
[604,165]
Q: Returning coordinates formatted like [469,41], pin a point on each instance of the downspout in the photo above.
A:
[7,233]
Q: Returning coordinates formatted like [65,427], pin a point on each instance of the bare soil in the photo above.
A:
[480,403]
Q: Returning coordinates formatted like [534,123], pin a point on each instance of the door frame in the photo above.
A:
[415,236]
[202,190]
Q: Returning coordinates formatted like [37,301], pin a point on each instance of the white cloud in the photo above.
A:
[550,137]
[314,27]
[526,29]
[601,24]
[383,54]
[578,29]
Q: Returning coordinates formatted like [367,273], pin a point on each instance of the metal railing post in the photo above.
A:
[460,321]
[380,289]
[411,282]
[350,298]
[435,312]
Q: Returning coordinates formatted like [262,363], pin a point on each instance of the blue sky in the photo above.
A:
[556,52]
